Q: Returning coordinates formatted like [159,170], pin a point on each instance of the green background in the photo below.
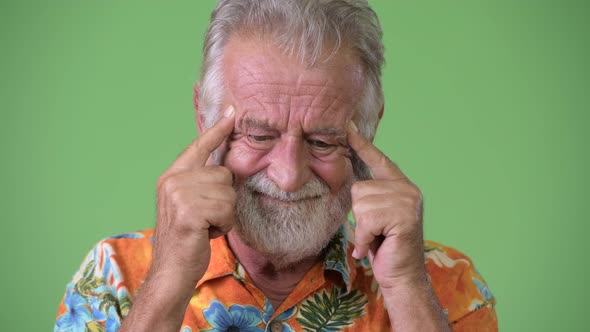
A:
[486,110]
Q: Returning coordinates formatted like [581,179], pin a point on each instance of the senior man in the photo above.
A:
[252,231]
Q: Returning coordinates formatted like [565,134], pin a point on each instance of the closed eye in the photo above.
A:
[260,138]
[320,144]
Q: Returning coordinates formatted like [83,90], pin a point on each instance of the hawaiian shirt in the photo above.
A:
[337,294]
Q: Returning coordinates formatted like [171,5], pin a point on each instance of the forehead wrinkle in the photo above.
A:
[309,92]
[309,89]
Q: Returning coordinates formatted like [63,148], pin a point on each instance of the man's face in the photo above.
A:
[291,121]
[291,124]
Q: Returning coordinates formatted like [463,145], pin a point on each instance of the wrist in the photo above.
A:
[170,272]
[415,285]
[172,283]
[415,279]
[160,303]
[412,305]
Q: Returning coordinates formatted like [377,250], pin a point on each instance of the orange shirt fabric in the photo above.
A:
[337,294]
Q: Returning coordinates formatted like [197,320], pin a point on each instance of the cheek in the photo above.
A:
[244,161]
[335,170]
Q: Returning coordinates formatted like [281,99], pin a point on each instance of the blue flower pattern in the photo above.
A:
[269,311]
[113,322]
[237,318]
[78,313]
[135,235]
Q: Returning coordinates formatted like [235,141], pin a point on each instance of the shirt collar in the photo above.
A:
[338,258]
[222,262]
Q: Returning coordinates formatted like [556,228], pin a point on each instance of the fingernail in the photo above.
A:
[353,127]
[229,112]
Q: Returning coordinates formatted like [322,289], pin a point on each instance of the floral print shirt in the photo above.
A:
[338,294]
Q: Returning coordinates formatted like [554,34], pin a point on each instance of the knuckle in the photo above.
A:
[160,182]
[222,207]
[183,213]
[227,214]
[219,205]
[163,182]
[410,197]
[357,188]
[229,206]
[176,196]
[416,199]
[357,209]
[220,172]
[225,172]
[415,191]
[231,195]
[167,185]
[360,223]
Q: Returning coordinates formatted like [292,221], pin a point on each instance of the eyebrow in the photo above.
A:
[257,123]
[334,132]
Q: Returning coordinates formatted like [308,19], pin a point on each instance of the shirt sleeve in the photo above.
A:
[462,292]
[480,312]
[95,299]
[484,319]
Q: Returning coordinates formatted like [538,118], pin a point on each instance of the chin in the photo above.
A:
[296,248]
[287,228]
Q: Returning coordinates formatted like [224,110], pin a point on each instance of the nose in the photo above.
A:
[289,165]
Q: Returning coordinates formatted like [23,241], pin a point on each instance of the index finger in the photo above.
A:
[381,166]
[197,153]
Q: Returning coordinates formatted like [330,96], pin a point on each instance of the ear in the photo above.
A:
[198,117]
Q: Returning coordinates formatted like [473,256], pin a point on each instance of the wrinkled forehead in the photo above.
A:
[269,87]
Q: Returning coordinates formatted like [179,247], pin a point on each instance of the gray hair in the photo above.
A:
[305,28]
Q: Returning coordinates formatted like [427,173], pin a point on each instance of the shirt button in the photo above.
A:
[276,326]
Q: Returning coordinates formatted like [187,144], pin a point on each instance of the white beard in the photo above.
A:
[297,226]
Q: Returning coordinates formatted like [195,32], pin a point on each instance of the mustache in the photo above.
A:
[261,184]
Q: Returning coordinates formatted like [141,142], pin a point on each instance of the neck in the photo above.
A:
[276,284]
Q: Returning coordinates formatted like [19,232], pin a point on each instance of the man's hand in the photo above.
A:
[196,202]
[388,214]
